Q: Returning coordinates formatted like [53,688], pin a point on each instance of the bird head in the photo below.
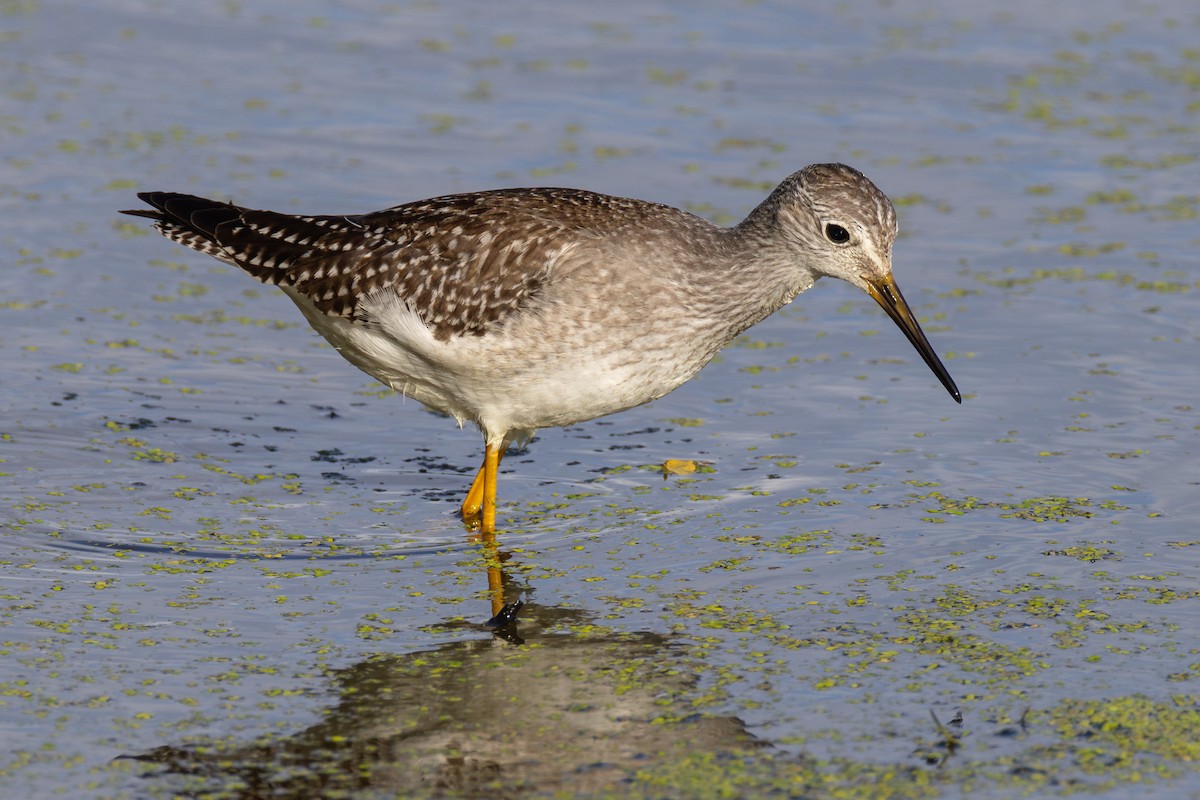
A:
[844,227]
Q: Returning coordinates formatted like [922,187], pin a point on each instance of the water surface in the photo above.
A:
[233,559]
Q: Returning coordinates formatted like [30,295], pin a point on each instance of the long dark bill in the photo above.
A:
[887,294]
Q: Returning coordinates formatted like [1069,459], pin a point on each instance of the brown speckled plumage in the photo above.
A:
[519,309]
[462,262]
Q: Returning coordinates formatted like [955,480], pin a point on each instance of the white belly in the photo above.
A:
[518,379]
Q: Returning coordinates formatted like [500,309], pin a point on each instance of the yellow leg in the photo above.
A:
[473,503]
[495,573]
[491,470]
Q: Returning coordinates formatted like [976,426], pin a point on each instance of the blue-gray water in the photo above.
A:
[214,530]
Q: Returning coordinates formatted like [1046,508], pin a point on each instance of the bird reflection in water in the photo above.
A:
[503,621]
[566,712]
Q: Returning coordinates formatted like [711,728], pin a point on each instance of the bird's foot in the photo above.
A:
[504,623]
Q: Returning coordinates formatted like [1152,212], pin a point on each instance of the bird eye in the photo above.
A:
[837,234]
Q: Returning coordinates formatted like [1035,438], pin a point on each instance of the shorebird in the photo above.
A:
[521,309]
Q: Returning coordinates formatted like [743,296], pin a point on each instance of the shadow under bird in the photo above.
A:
[520,309]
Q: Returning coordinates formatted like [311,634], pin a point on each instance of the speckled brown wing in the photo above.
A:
[462,263]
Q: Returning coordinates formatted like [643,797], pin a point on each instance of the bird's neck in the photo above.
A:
[763,272]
